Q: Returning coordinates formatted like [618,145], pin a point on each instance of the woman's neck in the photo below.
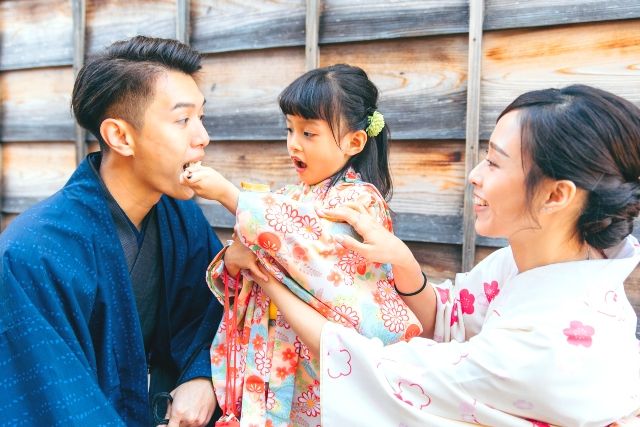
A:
[535,248]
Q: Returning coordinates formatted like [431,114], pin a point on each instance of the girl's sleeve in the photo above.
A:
[300,250]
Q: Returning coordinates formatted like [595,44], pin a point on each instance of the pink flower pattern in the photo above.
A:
[466,301]
[309,403]
[283,218]
[491,290]
[310,228]
[579,334]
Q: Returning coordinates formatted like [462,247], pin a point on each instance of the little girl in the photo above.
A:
[338,144]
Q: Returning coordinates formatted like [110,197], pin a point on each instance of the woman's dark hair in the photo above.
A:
[591,137]
[344,97]
[120,82]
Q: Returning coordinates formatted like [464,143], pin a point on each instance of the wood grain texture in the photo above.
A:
[26,41]
[108,21]
[231,25]
[36,105]
[605,55]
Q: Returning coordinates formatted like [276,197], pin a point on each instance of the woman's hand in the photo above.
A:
[378,245]
[239,257]
[210,184]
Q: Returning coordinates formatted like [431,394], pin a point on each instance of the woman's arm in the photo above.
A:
[306,322]
[380,245]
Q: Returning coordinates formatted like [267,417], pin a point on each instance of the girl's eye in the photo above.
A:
[288,130]
[183,121]
[490,163]
[201,118]
[308,134]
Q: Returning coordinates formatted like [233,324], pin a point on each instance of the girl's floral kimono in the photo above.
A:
[554,345]
[277,379]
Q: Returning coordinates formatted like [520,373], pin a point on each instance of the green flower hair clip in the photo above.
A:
[376,123]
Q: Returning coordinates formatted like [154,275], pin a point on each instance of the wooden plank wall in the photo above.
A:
[415,51]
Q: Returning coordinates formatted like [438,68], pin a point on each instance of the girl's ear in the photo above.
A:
[355,142]
[118,135]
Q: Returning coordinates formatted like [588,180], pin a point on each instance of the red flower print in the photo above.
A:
[454,314]
[288,354]
[309,403]
[269,241]
[466,301]
[352,263]
[216,360]
[579,334]
[282,372]
[283,218]
[258,341]
[300,253]
[386,289]
[491,290]
[412,331]
[221,350]
[444,295]
[335,278]
[346,315]
[310,228]
[254,384]
[351,174]
[394,315]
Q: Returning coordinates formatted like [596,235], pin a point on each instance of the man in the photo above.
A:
[105,280]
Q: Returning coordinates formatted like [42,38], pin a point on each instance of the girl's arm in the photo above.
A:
[210,184]
[380,245]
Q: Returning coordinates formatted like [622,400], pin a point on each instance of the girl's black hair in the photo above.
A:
[591,137]
[344,97]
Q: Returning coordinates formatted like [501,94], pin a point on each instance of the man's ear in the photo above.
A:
[356,142]
[560,194]
[118,135]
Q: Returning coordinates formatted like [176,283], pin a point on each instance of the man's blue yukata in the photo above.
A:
[71,348]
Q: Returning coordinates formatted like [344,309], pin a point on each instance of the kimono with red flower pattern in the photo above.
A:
[276,377]
[554,345]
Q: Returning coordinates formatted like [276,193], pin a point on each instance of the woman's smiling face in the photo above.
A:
[500,197]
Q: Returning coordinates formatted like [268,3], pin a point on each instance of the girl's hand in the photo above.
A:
[378,245]
[239,257]
[208,183]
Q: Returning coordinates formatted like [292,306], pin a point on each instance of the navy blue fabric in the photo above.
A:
[71,349]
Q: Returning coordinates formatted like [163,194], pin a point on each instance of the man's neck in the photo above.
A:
[132,196]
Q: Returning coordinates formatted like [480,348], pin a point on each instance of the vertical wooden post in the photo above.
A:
[182,20]
[476,18]
[312,31]
[79,8]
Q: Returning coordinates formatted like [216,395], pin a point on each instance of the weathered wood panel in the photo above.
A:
[36,105]
[108,21]
[35,33]
[229,25]
[606,55]
[422,83]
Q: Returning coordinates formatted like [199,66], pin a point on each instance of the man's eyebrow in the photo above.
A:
[186,105]
[498,149]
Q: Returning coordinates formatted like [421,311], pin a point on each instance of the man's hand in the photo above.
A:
[193,404]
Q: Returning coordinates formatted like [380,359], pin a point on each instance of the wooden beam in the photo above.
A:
[312,34]
[476,15]
[79,10]
[183,20]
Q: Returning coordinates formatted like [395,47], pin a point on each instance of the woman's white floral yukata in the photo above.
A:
[554,345]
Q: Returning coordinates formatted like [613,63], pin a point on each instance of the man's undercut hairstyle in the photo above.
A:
[119,83]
